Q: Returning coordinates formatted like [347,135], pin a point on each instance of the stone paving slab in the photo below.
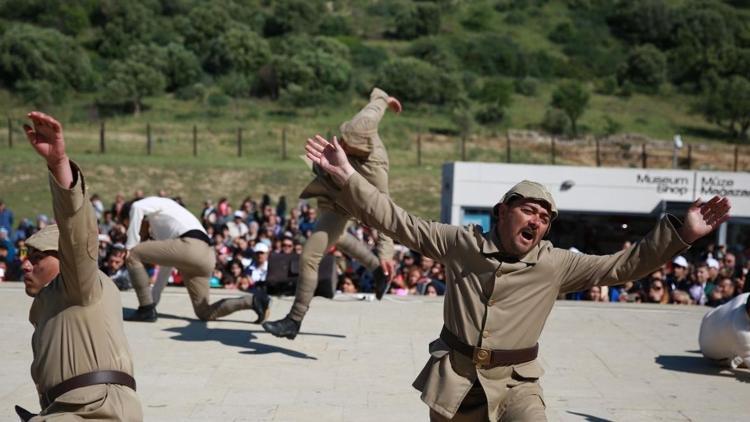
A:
[355,361]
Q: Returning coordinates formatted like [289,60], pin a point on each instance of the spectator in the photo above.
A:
[6,218]
[258,270]
[594,294]
[700,288]
[678,279]
[681,297]
[657,292]
[287,245]
[7,245]
[722,293]
[730,265]
[237,226]
[96,202]
[713,270]
[117,205]
[347,285]
[114,267]
[106,223]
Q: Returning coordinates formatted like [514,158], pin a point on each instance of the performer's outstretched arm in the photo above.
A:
[78,244]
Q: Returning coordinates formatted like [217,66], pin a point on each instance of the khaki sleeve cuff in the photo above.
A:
[68,201]
[378,93]
[676,244]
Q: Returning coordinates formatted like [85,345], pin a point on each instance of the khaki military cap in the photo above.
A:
[530,190]
[45,239]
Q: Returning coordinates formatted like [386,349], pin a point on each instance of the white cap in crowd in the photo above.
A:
[680,261]
[261,247]
[712,263]
[239,214]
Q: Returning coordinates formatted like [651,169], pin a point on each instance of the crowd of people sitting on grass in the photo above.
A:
[245,237]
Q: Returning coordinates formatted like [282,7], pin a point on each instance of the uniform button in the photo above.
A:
[485,333]
[482,354]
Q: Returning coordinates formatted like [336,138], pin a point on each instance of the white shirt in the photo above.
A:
[167,220]
[258,273]
[725,332]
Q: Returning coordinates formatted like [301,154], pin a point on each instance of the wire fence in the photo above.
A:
[169,140]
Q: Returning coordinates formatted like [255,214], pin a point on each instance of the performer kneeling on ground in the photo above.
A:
[501,285]
[180,242]
[82,365]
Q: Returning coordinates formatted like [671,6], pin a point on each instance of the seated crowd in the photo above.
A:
[243,238]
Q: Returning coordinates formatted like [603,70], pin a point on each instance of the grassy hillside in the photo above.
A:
[324,57]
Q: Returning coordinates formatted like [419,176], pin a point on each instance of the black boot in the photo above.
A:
[261,302]
[143,314]
[286,327]
[381,282]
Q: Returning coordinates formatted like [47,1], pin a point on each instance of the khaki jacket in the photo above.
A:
[366,153]
[77,318]
[513,299]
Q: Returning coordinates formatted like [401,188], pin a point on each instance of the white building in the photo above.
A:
[599,207]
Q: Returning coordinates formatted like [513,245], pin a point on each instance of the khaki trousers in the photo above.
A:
[195,260]
[523,403]
[330,229]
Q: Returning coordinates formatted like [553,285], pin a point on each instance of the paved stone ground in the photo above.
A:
[355,361]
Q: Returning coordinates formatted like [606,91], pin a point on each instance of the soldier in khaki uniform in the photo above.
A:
[177,240]
[368,155]
[82,365]
[501,286]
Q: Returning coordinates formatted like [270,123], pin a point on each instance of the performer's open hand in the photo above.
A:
[330,157]
[394,104]
[388,267]
[47,139]
[703,217]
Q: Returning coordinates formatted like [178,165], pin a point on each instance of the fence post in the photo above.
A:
[690,157]
[736,156]
[598,157]
[148,138]
[195,140]
[644,157]
[463,147]
[10,133]
[239,142]
[102,144]
[419,149]
[552,150]
[283,143]
[507,147]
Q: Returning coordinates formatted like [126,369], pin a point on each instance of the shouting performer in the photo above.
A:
[82,366]
[368,155]
[501,285]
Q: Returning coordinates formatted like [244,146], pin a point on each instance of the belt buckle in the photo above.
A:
[481,357]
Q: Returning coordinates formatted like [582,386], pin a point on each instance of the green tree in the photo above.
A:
[571,98]
[643,21]
[645,67]
[30,54]
[728,106]
[130,80]
[414,20]
[294,16]
[239,49]
[125,24]
[418,81]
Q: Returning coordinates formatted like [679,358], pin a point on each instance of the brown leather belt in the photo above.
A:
[489,358]
[84,380]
